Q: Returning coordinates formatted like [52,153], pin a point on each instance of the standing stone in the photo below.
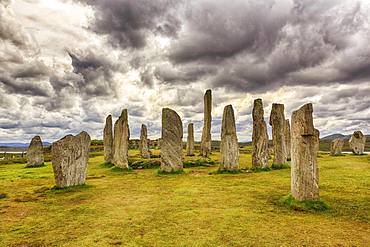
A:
[190,140]
[336,147]
[35,154]
[260,139]
[277,121]
[357,142]
[121,141]
[206,141]
[229,142]
[69,158]
[287,139]
[305,143]
[171,142]
[108,140]
[143,145]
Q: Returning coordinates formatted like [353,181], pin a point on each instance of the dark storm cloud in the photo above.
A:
[22,87]
[127,22]
[96,72]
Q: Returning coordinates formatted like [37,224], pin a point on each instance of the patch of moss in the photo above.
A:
[170,173]
[35,166]
[226,172]
[145,164]
[280,166]
[73,188]
[197,163]
[121,170]
[306,205]
[258,169]
[107,165]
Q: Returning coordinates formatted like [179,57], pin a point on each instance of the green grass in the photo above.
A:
[142,208]
[306,205]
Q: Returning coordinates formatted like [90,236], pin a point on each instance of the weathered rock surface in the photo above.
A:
[287,139]
[171,142]
[143,145]
[229,142]
[357,142]
[305,144]
[260,152]
[69,158]
[121,141]
[277,121]
[190,140]
[35,154]
[108,140]
[336,147]
[206,141]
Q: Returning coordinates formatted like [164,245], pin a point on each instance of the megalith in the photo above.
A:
[305,145]
[69,159]
[206,141]
[171,142]
[277,121]
[357,142]
[190,140]
[143,145]
[336,147]
[121,141]
[229,142]
[35,154]
[260,139]
[108,140]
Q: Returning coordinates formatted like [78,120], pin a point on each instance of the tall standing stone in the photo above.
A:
[305,143]
[336,147]
[35,154]
[190,140]
[171,142]
[260,139]
[108,140]
[121,141]
[69,158]
[206,141]
[143,145]
[229,147]
[357,142]
[287,139]
[277,121]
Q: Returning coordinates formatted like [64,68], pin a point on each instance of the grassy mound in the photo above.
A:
[280,166]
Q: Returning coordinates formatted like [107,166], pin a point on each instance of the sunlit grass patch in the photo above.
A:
[179,172]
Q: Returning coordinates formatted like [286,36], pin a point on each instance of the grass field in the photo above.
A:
[197,208]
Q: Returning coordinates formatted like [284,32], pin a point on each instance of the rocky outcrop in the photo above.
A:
[260,152]
[108,140]
[336,147]
[121,141]
[229,142]
[305,145]
[206,141]
[35,154]
[143,145]
[190,140]
[287,139]
[277,121]
[69,159]
[357,142]
[171,142]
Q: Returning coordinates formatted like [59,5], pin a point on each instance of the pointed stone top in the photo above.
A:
[257,113]
[108,118]
[124,114]
[209,91]
[228,120]
[305,114]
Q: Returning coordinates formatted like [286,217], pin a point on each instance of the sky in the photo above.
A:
[66,64]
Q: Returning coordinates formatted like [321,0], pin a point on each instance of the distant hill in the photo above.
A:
[335,136]
[19,145]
